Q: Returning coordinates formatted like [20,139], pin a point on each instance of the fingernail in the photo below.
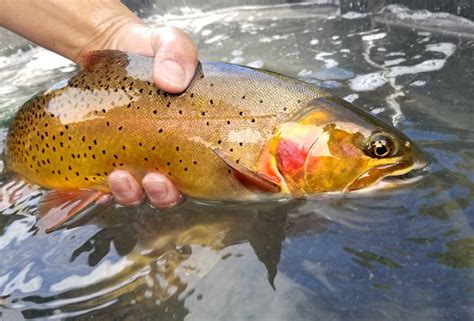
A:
[156,190]
[120,186]
[172,72]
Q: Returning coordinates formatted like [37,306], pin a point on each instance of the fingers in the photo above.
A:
[175,59]
[125,188]
[160,190]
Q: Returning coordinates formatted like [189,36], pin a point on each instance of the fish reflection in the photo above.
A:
[162,257]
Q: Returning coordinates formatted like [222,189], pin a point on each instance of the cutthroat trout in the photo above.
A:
[236,134]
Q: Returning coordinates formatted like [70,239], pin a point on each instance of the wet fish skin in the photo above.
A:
[111,116]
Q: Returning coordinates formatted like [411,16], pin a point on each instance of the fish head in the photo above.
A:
[336,147]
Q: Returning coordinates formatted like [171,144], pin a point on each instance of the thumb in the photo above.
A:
[175,59]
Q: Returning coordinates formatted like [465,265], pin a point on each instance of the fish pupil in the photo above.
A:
[381,150]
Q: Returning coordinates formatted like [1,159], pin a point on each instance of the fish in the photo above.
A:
[237,134]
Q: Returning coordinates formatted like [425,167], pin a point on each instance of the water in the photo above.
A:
[405,254]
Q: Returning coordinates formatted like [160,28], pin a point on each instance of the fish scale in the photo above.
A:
[111,116]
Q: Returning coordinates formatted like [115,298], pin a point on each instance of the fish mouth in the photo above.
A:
[402,175]
[411,174]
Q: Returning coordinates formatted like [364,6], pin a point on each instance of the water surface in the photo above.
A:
[404,254]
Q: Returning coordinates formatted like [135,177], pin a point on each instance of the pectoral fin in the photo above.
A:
[62,208]
[249,178]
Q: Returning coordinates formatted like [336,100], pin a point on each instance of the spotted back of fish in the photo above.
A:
[111,116]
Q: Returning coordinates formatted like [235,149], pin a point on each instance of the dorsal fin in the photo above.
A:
[97,58]
[249,178]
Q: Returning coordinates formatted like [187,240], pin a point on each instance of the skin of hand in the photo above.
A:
[75,27]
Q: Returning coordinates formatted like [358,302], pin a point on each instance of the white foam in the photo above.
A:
[354,15]
[237,60]
[394,61]
[216,38]
[351,98]
[375,36]
[368,82]
[446,48]
[256,64]
[206,32]
[418,83]
[265,40]
[395,53]
[237,52]
[305,73]
[425,66]
[328,62]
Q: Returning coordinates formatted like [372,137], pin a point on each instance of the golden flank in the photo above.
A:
[236,134]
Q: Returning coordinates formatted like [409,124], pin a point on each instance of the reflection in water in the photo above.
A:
[459,254]
[160,257]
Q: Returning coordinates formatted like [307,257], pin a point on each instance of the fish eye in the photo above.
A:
[381,146]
